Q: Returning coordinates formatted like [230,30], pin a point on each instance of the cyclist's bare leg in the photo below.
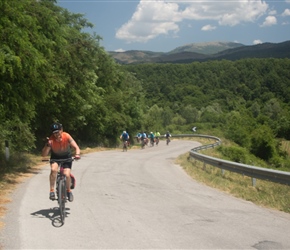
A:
[52,176]
[67,172]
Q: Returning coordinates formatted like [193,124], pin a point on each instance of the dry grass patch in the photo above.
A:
[8,183]
[3,209]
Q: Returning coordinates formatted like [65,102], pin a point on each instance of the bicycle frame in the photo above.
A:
[125,146]
[157,141]
[61,195]
[61,186]
[143,143]
[167,140]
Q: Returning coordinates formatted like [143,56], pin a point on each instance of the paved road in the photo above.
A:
[139,200]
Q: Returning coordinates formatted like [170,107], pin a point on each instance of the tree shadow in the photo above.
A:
[53,214]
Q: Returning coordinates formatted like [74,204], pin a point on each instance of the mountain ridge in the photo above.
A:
[205,51]
[206,47]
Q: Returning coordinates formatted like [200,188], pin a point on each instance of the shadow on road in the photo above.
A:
[52,214]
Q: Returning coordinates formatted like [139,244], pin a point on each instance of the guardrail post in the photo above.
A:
[204,166]
[253,182]
[223,172]
[7,155]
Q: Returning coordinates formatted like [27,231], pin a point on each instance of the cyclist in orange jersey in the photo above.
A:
[59,146]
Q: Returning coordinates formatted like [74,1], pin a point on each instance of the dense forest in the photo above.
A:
[51,70]
[247,101]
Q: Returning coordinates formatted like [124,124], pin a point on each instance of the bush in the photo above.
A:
[276,162]
[236,154]
[263,144]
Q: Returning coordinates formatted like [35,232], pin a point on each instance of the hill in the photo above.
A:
[264,50]
[205,52]
[197,51]
[207,48]
[135,56]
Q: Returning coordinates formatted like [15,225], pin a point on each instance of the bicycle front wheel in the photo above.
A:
[62,198]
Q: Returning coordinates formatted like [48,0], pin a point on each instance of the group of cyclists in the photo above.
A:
[145,139]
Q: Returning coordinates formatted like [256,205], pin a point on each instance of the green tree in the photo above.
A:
[24,54]
[263,144]
[153,119]
[178,120]
[238,129]
[190,114]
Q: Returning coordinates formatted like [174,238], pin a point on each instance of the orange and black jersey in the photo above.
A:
[61,149]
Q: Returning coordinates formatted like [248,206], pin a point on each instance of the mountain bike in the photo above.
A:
[143,143]
[167,141]
[125,146]
[157,141]
[61,186]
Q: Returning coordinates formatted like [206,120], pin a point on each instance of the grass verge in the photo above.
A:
[267,194]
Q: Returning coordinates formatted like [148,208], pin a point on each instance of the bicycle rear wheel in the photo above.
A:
[125,147]
[62,198]
[157,141]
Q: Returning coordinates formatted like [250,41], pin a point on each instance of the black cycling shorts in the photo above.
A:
[65,164]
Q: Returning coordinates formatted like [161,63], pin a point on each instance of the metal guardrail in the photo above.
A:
[276,176]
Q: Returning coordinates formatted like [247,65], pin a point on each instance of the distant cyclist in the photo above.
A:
[146,140]
[125,137]
[151,139]
[167,136]
[139,136]
[157,135]
[59,146]
[143,139]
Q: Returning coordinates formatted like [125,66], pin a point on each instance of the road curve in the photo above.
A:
[139,200]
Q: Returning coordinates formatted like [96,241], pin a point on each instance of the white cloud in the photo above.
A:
[208,27]
[257,41]
[150,20]
[162,17]
[272,12]
[120,50]
[269,21]
[286,12]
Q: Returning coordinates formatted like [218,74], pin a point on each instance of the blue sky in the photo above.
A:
[161,25]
